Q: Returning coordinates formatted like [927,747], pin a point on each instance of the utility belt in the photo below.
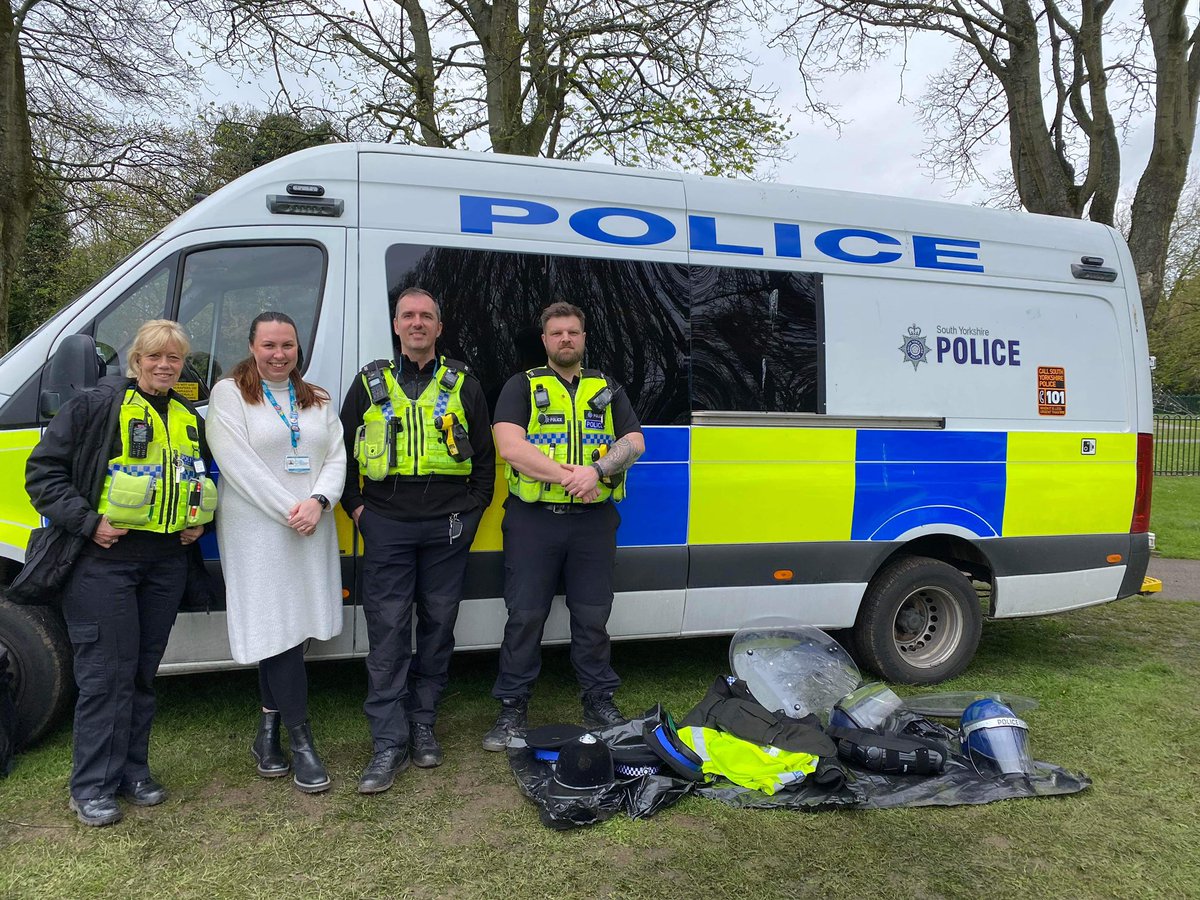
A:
[567,509]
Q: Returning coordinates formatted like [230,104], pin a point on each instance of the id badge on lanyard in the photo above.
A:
[297,464]
[294,463]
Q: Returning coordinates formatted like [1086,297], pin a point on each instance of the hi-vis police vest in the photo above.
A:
[159,482]
[576,432]
[761,768]
[426,436]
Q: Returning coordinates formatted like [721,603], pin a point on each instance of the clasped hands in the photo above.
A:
[304,516]
[581,482]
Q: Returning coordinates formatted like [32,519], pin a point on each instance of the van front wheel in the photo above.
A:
[919,622]
[39,659]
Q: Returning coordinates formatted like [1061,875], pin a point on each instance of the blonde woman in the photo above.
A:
[125,465]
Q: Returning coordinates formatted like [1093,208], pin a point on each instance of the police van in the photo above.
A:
[860,412]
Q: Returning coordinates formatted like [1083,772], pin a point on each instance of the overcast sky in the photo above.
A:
[878,148]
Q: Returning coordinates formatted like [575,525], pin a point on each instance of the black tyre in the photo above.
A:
[919,622]
[40,660]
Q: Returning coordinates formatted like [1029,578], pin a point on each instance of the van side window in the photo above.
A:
[115,327]
[755,340]
[637,331]
[222,290]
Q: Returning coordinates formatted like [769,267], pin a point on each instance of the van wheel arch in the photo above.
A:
[39,655]
[919,622]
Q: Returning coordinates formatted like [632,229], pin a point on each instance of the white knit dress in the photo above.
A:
[281,587]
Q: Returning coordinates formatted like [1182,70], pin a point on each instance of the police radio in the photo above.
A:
[376,386]
[141,433]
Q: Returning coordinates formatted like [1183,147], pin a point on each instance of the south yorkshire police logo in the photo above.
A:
[914,347]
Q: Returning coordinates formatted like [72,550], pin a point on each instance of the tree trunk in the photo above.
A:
[19,193]
[1176,94]
[1042,183]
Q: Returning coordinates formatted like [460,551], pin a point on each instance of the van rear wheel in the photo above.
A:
[919,622]
[39,658]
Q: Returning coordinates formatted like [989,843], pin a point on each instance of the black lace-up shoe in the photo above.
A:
[514,716]
[426,751]
[146,792]
[97,811]
[382,770]
[599,711]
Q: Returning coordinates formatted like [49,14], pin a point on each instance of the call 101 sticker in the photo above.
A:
[1052,391]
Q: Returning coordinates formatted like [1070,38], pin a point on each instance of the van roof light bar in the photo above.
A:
[283,205]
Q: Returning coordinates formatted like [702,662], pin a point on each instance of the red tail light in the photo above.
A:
[1145,478]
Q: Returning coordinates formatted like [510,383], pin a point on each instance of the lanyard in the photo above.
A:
[292,420]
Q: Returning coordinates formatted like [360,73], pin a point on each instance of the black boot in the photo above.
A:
[423,743]
[310,775]
[599,711]
[266,749]
[514,716]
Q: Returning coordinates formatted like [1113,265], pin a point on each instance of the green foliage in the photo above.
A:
[243,140]
[1175,336]
[1175,516]
[39,283]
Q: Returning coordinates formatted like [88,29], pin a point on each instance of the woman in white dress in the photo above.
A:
[279,450]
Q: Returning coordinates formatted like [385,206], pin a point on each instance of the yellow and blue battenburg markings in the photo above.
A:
[707,486]
[762,485]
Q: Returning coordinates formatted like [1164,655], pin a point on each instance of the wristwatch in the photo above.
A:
[322,499]
[599,471]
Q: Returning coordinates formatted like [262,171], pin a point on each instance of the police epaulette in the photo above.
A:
[457,364]
[591,373]
[375,365]
[539,372]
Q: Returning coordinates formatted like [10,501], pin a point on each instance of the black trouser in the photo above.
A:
[119,615]
[283,685]
[539,546]
[405,562]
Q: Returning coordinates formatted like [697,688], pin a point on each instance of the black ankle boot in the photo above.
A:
[310,775]
[266,749]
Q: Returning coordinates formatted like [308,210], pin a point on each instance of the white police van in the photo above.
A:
[860,412]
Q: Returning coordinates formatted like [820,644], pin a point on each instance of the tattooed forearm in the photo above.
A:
[621,455]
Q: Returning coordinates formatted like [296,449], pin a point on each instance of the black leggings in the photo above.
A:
[283,685]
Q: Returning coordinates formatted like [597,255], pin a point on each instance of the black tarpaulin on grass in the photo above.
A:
[643,796]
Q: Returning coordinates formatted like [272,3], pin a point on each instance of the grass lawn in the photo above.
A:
[1175,516]
[1116,689]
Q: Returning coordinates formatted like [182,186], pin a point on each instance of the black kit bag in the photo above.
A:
[49,558]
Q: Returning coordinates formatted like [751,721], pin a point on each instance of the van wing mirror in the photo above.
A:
[74,367]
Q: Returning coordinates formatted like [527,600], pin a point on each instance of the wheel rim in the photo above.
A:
[928,628]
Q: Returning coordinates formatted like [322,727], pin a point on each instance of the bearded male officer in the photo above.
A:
[568,435]
[417,432]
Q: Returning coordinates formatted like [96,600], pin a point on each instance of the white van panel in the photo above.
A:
[419,198]
[983,347]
